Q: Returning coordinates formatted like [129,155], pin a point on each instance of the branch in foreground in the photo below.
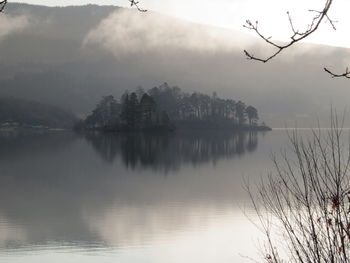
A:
[2,5]
[136,4]
[296,34]
[346,74]
[295,37]
[303,207]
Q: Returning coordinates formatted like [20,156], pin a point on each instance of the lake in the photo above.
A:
[176,198]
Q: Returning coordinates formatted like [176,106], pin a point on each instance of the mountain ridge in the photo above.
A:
[52,60]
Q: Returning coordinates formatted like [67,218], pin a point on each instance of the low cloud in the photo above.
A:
[12,24]
[127,31]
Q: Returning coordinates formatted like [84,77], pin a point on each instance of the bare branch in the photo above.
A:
[136,4]
[2,5]
[346,74]
[305,202]
[295,37]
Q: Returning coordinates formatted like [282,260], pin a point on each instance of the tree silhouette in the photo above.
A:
[197,107]
[148,108]
[303,208]
[105,114]
[164,107]
[241,113]
[130,110]
[252,114]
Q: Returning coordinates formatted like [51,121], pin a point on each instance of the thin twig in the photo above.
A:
[346,74]
[136,4]
[296,36]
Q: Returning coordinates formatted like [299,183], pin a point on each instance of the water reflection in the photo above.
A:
[169,151]
[63,190]
[19,144]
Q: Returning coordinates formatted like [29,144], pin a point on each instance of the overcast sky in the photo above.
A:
[233,13]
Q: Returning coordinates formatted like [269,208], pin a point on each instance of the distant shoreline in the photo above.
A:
[312,128]
[150,130]
[180,129]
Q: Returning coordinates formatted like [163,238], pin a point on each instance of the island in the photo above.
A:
[166,108]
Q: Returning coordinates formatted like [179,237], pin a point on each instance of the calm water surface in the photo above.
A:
[133,198]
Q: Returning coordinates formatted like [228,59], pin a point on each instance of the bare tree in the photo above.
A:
[306,202]
[297,35]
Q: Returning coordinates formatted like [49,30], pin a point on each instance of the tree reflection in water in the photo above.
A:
[54,188]
[169,151]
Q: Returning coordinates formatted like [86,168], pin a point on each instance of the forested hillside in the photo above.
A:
[24,113]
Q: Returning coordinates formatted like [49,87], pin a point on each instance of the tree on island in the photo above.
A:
[105,114]
[241,113]
[130,114]
[130,110]
[252,114]
[166,106]
[148,108]
[197,107]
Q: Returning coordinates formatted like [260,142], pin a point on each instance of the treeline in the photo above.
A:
[198,107]
[130,114]
[19,113]
[165,107]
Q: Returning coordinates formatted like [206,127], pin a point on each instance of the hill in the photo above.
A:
[23,113]
[72,56]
